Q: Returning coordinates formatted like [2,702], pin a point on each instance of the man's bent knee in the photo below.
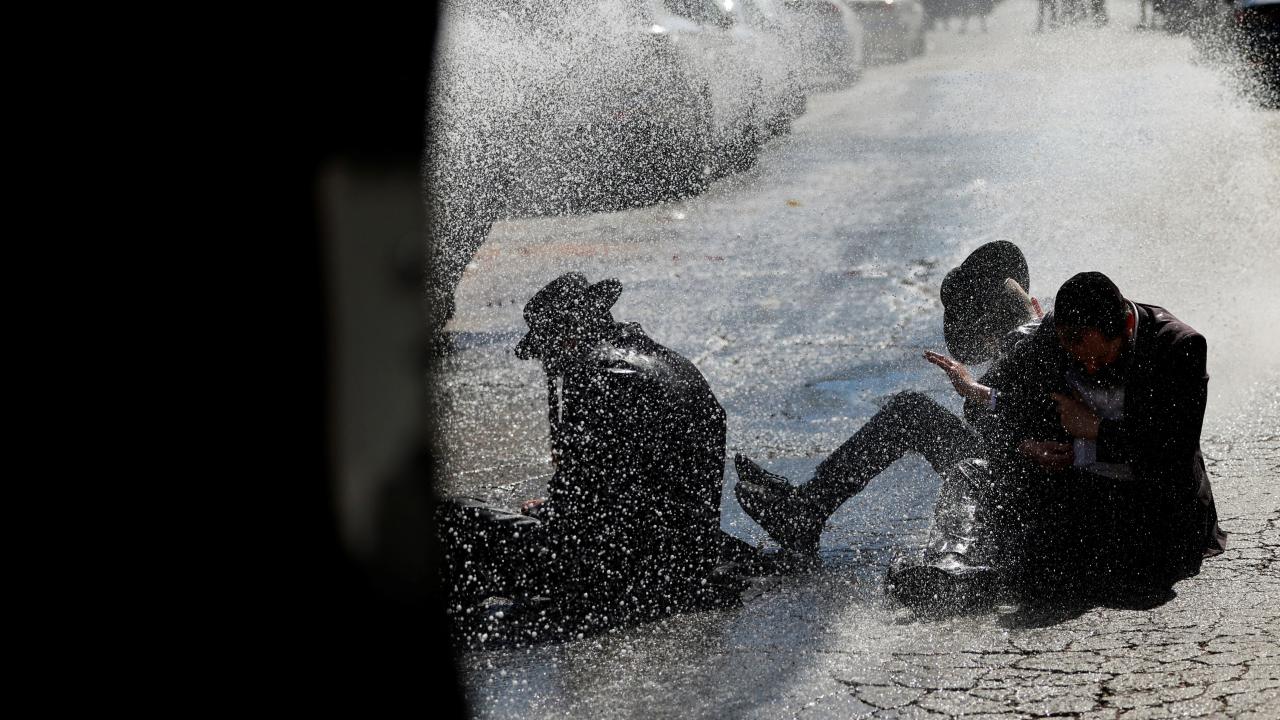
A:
[913,402]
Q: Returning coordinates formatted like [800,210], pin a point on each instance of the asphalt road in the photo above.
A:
[806,289]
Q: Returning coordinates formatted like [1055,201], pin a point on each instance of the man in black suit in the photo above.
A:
[631,526]
[1096,450]
[986,311]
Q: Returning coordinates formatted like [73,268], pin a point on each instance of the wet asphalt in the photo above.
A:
[805,289]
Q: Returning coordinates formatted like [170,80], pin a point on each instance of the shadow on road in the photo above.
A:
[1048,614]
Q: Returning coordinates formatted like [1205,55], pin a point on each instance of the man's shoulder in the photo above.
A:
[645,363]
[633,352]
[1164,341]
[612,359]
[1017,336]
[1164,328]
[1036,341]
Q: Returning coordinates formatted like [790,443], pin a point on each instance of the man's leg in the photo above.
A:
[490,552]
[1147,542]
[1060,530]
[959,566]
[909,422]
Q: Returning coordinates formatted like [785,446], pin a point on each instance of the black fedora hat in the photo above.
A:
[562,303]
[979,306]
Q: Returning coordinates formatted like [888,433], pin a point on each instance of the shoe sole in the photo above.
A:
[924,585]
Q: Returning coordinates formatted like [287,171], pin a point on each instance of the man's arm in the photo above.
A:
[1021,382]
[1167,422]
[981,392]
[961,378]
[607,416]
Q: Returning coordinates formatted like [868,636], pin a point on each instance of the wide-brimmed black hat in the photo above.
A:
[562,303]
[979,306]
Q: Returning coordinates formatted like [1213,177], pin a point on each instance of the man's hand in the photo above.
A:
[1077,419]
[533,507]
[1048,454]
[961,379]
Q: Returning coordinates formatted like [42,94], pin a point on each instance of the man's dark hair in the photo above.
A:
[1089,300]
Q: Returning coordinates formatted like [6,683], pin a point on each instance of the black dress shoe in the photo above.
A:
[749,471]
[772,501]
[922,587]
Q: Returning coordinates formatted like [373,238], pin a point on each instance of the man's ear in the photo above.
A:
[1130,322]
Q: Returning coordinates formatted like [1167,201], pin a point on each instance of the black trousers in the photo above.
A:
[961,565]
[909,422]
[1075,532]
[491,552]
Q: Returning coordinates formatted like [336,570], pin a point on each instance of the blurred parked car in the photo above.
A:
[559,106]
[770,24]
[1249,32]
[754,92]
[555,107]
[895,28]
[567,107]
[828,38]
[1178,16]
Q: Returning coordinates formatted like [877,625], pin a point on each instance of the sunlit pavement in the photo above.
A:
[806,289]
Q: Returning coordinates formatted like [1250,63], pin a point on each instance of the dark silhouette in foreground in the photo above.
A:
[630,529]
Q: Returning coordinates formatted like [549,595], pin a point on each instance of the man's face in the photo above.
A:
[559,341]
[1092,350]
[560,353]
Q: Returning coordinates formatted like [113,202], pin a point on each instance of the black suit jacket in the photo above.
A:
[1166,387]
[634,505]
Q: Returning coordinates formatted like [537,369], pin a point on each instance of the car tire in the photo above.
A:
[850,70]
[902,49]
[685,170]
[689,155]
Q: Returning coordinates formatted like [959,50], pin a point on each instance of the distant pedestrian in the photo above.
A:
[1099,10]
[936,11]
[1046,13]
[979,8]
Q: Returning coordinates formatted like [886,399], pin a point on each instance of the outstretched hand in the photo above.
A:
[534,507]
[960,376]
[1048,454]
